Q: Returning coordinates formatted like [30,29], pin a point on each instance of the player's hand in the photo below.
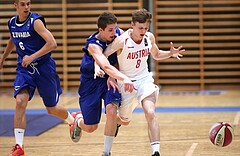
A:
[98,71]
[176,52]
[111,82]
[128,85]
[27,60]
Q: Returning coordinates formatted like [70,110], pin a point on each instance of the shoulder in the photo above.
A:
[150,36]
[12,19]
[35,16]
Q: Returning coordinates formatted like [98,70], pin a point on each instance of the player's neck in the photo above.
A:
[99,36]
[135,38]
[22,19]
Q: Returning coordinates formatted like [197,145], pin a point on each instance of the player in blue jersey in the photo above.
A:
[93,90]
[35,68]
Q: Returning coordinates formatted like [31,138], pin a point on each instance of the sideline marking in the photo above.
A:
[140,110]
[236,119]
[191,149]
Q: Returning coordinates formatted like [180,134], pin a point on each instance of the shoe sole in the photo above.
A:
[76,133]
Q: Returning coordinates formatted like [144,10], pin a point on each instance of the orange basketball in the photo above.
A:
[221,134]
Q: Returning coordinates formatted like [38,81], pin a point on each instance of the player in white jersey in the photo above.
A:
[134,47]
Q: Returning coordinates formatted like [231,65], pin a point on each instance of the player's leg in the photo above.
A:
[112,101]
[22,93]
[147,95]
[90,101]
[87,120]
[148,105]
[48,84]
[20,121]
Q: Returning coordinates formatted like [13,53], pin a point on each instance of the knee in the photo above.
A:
[90,128]
[21,103]
[111,112]
[150,114]
[51,110]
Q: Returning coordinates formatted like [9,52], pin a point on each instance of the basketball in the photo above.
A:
[221,134]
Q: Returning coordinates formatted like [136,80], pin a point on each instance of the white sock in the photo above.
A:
[155,146]
[108,141]
[69,119]
[79,120]
[19,134]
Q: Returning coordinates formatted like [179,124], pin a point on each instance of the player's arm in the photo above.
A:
[158,54]
[115,46]
[7,51]
[50,44]
[103,62]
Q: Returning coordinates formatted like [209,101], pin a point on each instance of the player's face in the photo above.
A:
[23,8]
[109,32]
[139,29]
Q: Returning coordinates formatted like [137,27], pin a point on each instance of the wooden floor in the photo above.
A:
[182,133]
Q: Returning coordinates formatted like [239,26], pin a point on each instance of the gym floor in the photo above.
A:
[184,118]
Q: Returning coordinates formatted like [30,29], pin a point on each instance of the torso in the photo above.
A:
[133,57]
[25,38]
[87,65]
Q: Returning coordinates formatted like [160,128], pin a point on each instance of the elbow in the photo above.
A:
[54,45]
[106,67]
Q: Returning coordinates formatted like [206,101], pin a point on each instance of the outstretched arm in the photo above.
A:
[115,46]
[161,54]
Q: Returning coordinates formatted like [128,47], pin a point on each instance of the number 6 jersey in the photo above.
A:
[26,39]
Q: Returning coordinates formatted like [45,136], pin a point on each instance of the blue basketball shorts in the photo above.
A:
[92,92]
[41,75]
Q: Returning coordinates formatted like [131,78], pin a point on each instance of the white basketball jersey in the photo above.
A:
[133,58]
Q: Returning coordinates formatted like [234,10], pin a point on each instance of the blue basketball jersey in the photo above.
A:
[25,38]
[87,65]
[93,91]
[41,73]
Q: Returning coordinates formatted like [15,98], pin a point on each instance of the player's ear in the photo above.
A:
[132,24]
[100,29]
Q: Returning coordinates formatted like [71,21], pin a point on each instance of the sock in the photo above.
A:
[79,120]
[155,146]
[69,119]
[19,134]
[108,141]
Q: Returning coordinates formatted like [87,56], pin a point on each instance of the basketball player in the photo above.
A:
[133,48]
[35,68]
[93,90]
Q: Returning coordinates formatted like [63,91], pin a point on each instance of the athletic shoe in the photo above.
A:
[118,126]
[106,154]
[75,130]
[17,151]
[156,154]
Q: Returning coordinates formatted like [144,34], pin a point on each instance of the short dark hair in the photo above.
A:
[141,16]
[105,19]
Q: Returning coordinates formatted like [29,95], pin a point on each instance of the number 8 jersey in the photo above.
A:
[25,38]
[133,57]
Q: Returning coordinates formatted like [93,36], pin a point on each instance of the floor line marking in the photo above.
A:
[191,149]
[236,119]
